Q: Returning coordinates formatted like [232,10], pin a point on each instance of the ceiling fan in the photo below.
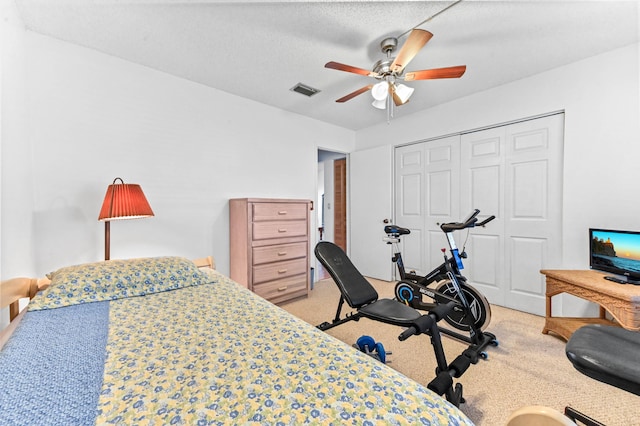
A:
[391,69]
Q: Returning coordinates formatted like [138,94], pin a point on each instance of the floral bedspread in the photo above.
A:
[216,354]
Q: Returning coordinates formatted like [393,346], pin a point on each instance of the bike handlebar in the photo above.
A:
[472,216]
[487,220]
[469,222]
[455,226]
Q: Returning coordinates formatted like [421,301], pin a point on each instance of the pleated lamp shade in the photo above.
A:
[122,201]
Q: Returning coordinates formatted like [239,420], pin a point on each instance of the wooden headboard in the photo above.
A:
[205,262]
[16,289]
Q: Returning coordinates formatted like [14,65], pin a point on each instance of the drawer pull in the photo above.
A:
[282,271]
[282,288]
[282,212]
[282,230]
[282,253]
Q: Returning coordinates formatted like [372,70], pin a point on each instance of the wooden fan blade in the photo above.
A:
[416,41]
[348,68]
[449,72]
[354,94]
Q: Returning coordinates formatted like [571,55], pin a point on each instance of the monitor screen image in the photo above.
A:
[617,252]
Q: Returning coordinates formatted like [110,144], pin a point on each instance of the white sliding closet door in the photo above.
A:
[483,188]
[442,180]
[533,209]
[427,181]
[513,172]
[409,204]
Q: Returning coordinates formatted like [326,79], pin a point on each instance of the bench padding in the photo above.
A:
[609,354]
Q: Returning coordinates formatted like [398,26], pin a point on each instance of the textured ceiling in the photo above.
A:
[260,49]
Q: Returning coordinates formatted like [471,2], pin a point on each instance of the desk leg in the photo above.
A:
[545,330]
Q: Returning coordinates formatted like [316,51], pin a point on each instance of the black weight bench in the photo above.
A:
[361,296]
[608,354]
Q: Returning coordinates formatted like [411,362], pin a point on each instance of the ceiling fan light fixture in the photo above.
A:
[404,92]
[380,91]
[379,103]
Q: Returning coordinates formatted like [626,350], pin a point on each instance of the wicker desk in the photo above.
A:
[622,301]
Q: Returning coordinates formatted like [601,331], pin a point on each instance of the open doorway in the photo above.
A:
[331,198]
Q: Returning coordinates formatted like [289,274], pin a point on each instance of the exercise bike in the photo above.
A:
[472,312]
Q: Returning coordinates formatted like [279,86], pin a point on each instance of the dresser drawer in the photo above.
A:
[268,230]
[274,271]
[268,254]
[284,289]
[279,211]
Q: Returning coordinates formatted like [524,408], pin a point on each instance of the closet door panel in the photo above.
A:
[484,248]
[442,174]
[411,195]
[439,192]
[410,202]
[533,211]
[528,255]
[485,189]
[482,187]
[483,263]
[529,185]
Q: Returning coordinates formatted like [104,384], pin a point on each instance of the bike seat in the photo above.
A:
[396,230]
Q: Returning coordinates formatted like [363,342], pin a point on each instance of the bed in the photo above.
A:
[166,340]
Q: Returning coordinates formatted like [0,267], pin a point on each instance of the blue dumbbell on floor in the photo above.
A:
[369,346]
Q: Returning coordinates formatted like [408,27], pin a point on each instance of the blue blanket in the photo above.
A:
[53,346]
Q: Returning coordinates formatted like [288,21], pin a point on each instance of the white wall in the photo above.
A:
[91,117]
[13,149]
[16,198]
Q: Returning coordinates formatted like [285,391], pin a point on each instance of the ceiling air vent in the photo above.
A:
[303,89]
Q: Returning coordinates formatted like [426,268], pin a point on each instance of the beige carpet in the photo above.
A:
[527,368]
